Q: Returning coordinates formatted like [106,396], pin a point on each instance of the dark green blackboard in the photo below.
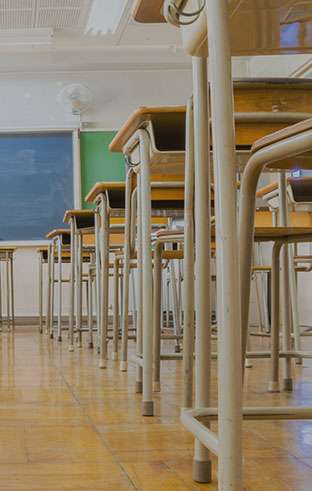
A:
[97,162]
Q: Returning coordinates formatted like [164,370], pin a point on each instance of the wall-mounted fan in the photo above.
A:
[75,98]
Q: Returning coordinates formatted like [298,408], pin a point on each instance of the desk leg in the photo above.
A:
[294,303]
[202,462]
[229,335]
[52,291]
[12,292]
[157,324]
[283,216]
[90,307]
[48,304]
[79,288]
[139,325]
[147,275]
[275,321]
[125,279]
[188,283]
[59,321]
[72,286]
[7,290]
[40,294]
[116,309]
[104,281]
[97,274]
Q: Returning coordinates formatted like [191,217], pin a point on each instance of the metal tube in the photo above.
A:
[126,272]
[97,273]
[12,292]
[157,314]
[40,293]
[201,462]
[59,325]
[229,339]
[79,288]
[283,222]
[90,307]
[147,274]
[48,304]
[275,321]
[294,301]
[72,286]
[175,305]
[7,289]
[116,309]
[206,437]
[188,283]
[104,280]
[52,291]
[139,327]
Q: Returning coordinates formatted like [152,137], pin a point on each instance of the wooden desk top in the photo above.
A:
[262,106]
[102,187]
[148,11]
[56,232]
[10,250]
[283,134]
[77,214]
[139,119]
[288,23]
[269,234]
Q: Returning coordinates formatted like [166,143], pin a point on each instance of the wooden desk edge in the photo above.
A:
[100,187]
[136,121]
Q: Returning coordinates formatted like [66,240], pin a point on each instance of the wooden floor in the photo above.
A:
[66,425]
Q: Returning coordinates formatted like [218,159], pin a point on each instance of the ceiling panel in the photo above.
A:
[58,14]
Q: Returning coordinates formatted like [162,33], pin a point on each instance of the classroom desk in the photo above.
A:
[80,222]
[59,240]
[7,256]
[153,140]
[109,200]
[221,30]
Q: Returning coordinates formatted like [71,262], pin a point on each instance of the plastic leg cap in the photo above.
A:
[273,387]
[138,387]
[123,366]
[202,471]
[288,384]
[156,386]
[147,408]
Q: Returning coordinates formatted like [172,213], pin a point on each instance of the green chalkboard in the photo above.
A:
[97,162]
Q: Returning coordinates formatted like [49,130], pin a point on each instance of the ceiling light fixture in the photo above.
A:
[104,17]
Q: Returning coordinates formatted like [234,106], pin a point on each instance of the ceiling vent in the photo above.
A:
[55,14]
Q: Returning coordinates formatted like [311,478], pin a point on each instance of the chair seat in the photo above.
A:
[281,135]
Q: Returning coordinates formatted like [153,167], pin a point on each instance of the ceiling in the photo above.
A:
[71,35]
